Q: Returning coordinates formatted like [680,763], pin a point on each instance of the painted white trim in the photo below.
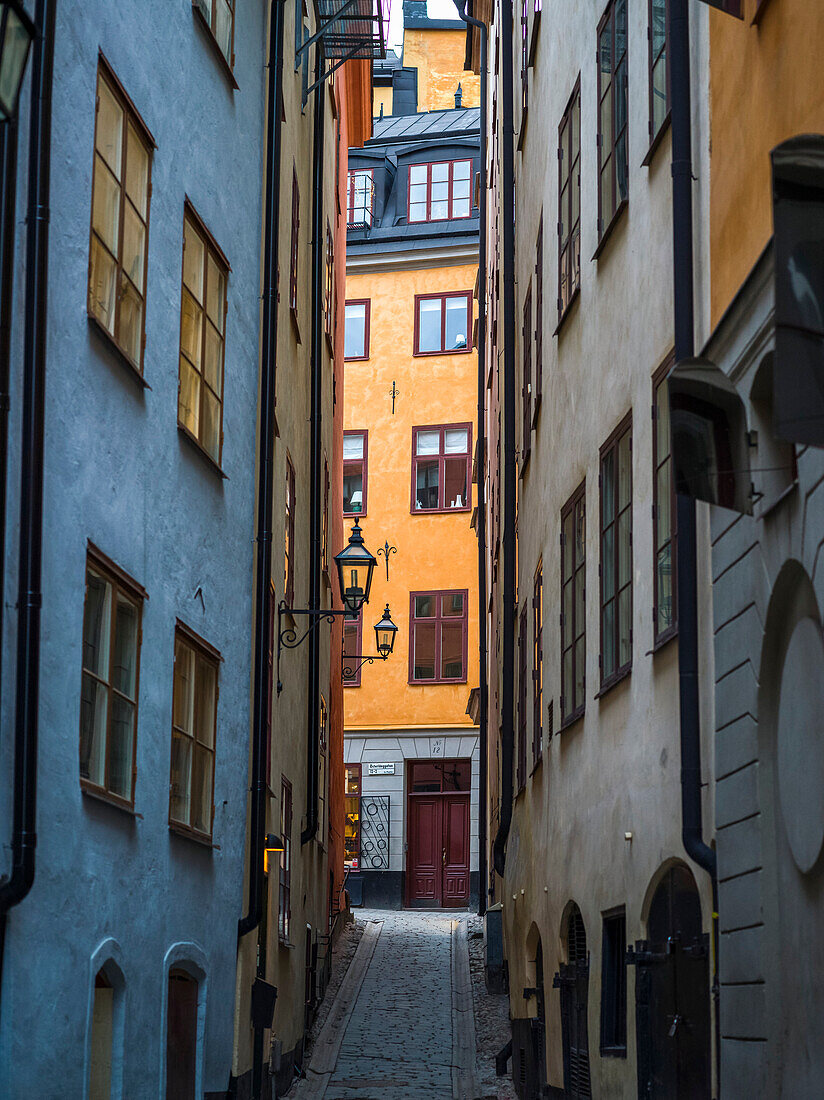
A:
[107,955]
[192,958]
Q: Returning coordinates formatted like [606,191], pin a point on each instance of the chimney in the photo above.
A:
[458,96]
[414,11]
[405,92]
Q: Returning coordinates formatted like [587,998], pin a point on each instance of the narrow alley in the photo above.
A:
[401,1027]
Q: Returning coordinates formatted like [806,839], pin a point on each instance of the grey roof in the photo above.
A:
[459,121]
[382,68]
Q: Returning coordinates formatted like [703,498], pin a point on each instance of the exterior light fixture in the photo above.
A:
[16,34]
[272,846]
[355,568]
[385,633]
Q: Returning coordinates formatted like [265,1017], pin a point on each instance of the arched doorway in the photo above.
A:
[572,980]
[672,994]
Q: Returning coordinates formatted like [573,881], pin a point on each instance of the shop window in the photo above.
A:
[438,637]
[352,793]
[356,328]
[355,467]
[443,324]
[441,468]
[616,554]
[440,191]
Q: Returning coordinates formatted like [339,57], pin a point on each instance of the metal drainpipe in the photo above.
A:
[481,502]
[8,170]
[508,442]
[24,837]
[687,571]
[265,486]
[315,494]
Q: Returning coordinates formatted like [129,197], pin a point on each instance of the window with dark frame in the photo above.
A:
[219,17]
[573,606]
[194,719]
[289,535]
[443,323]
[538,664]
[665,603]
[202,337]
[613,177]
[352,640]
[539,319]
[351,795]
[323,745]
[569,202]
[360,198]
[285,891]
[524,61]
[324,532]
[614,986]
[441,468]
[616,553]
[659,76]
[294,246]
[270,680]
[329,289]
[440,191]
[440,776]
[355,472]
[438,637]
[121,193]
[112,614]
[356,329]
[523,665]
[526,386]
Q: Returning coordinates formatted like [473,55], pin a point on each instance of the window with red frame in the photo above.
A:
[523,665]
[324,533]
[355,455]
[360,192]
[293,252]
[441,474]
[438,637]
[329,291]
[285,899]
[438,192]
[289,535]
[351,836]
[356,329]
[443,323]
[352,634]
[538,665]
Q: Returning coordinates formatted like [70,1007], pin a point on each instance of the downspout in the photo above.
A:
[508,441]
[687,569]
[315,493]
[265,486]
[29,600]
[481,502]
[8,181]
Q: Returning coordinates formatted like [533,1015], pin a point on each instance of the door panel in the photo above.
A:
[425,851]
[455,852]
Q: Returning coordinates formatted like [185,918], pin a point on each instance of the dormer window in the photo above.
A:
[439,192]
[361,189]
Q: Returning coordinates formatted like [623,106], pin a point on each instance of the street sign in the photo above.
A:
[380,769]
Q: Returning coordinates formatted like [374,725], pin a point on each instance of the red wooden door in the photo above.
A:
[425,826]
[455,855]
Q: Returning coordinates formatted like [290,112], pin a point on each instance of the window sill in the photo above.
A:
[522,129]
[453,351]
[576,294]
[106,337]
[293,313]
[190,834]
[520,791]
[613,681]
[355,358]
[653,147]
[99,794]
[355,515]
[536,764]
[664,639]
[330,344]
[536,408]
[437,683]
[768,509]
[286,944]
[213,43]
[571,720]
[525,456]
[204,454]
[607,234]
[613,1052]
[438,511]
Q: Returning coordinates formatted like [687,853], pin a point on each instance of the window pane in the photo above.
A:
[93,704]
[202,790]
[664,567]
[181,779]
[575,131]
[424,666]
[102,275]
[663,505]
[184,688]
[213,359]
[624,626]
[131,320]
[210,437]
[461,208]
[440,174]
[608,635]
[424,607]
[215,291]
[620,28]
[353,445]
[568,687]
[426,483]
[624,555]
[457,775]
[190,328]
[352,781]
[456,323]
[192,260]
[456,441]
[622,174]
[417,173]
[106,206]
[428,442]
[223,28]
[662,429]
[620,86]
[567,610]
[580,672]
[205,690]
[659,93]
[427,778]
[124,672]
[452,651]
[624,470]
[429,324]
[580,596]
[96,625]
[607,195]
[455,483]
[109,136]
[452,604]
[353,489]
[608,562]
[460,189]
[462,170]
[580,532]
[134,246]
[354,332]
[120,747]
[137,171]
[569,545]
[417,211]
[659,24]
[605,52]
[608,487]
[188,409]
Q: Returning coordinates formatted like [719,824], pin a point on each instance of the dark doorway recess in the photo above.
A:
[437,821]
[181,1037]
[672,994]
[573,981]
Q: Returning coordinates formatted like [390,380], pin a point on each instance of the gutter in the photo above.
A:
[29,601]
[265,485]
[480,500]
[507,733]
[315,491]
[8,199]
[687,568]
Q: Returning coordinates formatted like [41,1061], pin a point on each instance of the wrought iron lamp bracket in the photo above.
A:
[288,638]
[362,659]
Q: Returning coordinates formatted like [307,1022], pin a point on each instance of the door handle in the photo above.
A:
[443,858]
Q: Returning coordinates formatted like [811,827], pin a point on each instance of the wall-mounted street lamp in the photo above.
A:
[385,634]
[16,34]
[355,568]
[386,550]
[272,847]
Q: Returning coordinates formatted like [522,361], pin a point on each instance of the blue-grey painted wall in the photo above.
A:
[119,473]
